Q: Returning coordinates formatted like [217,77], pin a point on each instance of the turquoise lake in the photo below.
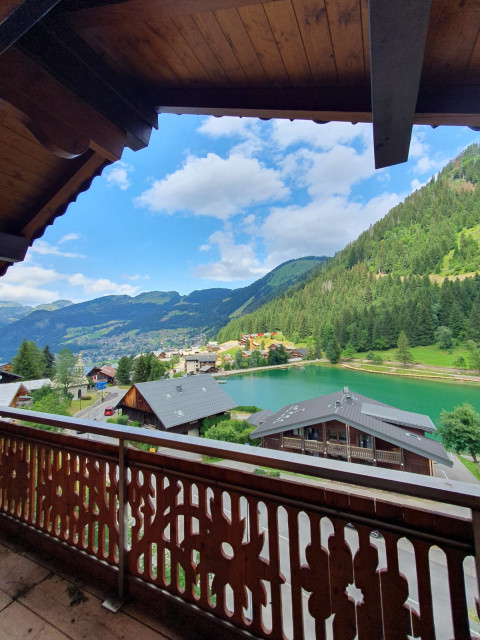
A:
[273,389]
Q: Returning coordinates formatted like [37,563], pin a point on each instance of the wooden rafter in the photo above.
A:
[69,60]
[137,10]
[398,32]
[22,19]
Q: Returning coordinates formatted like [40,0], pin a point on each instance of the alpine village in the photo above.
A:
[293,459]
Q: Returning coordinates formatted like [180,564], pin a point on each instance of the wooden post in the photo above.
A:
[374,448]
[324,425]
[347,427]
[476,541]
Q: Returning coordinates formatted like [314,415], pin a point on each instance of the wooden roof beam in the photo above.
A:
[398,32]
[72,62]
[12,248]
[21,19]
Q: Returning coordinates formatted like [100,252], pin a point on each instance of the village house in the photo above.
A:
[194,363]
[99,374]
[17,394]
[177,405]
[350,427]
[8,376]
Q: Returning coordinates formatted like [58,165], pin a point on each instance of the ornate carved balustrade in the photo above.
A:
[276,557]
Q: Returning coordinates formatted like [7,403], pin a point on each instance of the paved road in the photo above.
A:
[458,472]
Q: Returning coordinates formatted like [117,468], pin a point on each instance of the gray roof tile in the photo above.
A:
[182,400]
[354,409]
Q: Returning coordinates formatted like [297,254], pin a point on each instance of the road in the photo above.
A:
[458,472]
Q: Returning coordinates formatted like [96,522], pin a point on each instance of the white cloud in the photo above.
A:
[25,284]
[46,249]
[118,176]
[215,187]
[100,286]
[204,247]
[69,237]
[333,172]
[421,151]
[322,227]
[228,127]
[137,277]
[237,261]
[322,136]
[416,184]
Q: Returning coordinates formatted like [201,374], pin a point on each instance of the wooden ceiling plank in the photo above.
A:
[313,24]
[78,177]
[236,34]
[187,26]
[261,36]
[12,248]
[283,23]
[11,168]
[451,40]
[345,23]
[398,30]
[148,10]
[221,48]
[365,37]
[177,53]
[7,7]
[22,19]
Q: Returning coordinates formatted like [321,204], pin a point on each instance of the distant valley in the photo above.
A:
[112,326]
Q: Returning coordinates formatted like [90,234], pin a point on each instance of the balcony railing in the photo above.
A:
[277,558]
[344,450]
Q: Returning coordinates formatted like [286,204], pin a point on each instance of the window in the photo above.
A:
[332,435]
[343,436]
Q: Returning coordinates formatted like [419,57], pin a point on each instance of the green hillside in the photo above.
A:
[389,279]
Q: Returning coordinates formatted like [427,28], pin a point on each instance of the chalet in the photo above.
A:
[17,394]
[98,374]
[297,354]
[8,376]
[177,405]
[194,363]
[350,427]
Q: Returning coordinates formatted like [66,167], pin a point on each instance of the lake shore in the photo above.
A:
[386,368]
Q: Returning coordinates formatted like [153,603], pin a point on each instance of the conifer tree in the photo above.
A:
[404,354]
[28,361]
[48,362]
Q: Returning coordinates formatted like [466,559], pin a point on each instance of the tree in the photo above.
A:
[238,360]
[28,361]
[277,356]
[349,352]
[474,352]
[48,363]
[140,371]
[46,400]
[460,429]
[404,354]
[65,369]
[124,370]
[444,337]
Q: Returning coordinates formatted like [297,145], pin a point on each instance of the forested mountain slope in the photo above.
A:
[390,278]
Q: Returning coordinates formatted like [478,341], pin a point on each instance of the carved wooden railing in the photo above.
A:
[268,555]
[392,457]
[361,452]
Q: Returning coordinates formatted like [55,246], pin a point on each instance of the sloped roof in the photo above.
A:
[202,357]
[8,392]
[354,409]
[31,385]
[180,400]
[256,419]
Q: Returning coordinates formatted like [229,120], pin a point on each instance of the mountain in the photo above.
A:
[12,311]
[414,270]
[111,326]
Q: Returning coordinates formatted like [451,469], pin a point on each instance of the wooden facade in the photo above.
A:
[339,441]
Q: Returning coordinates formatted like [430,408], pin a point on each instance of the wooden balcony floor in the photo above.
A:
[37,600]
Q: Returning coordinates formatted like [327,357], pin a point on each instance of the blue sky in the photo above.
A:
[219,202]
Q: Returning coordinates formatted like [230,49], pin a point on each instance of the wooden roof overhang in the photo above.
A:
[82,79]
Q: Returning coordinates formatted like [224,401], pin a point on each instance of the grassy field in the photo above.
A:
[471,466]
[77,404]
[431,355]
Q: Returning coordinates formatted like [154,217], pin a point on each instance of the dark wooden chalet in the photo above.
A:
[177,405]
[350,427]
[98,374]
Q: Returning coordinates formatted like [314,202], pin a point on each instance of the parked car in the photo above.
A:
[108,411]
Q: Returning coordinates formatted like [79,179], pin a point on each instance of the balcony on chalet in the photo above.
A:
[185,549]
[346,451]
